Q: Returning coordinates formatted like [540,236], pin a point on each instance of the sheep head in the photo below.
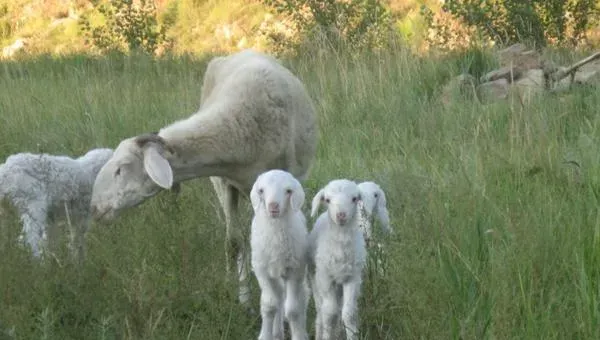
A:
[341,197]
[137,170]
[373,203]
[276,191]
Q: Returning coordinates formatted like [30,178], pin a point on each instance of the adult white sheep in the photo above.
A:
[254,115]
[47,189]
[279,249]
[337,256]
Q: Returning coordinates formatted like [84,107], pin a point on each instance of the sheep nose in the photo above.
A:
[341,215]
[274,206]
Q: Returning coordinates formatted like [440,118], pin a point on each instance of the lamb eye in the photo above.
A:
[354,199]
[289,191]
[327,200]
[376,195]
[118,172]
[260,191]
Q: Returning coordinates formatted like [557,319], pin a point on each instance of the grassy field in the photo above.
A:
[497,237]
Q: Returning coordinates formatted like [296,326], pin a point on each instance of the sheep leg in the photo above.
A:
[317,299]
[271,297]
[295,306]
[34,228]
[351,291]
[328,311]
[77,240]
[278,329]
[235,251]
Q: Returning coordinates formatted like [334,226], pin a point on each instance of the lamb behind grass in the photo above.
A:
[373,203]
[278,245]
[45,189]
[337,256]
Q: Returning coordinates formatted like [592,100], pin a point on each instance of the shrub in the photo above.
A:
[357,23]
[128,25]
[538,22]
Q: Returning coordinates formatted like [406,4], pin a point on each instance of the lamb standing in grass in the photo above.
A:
[337,256]
[254,116]
[45,189]
[373,203]
[278,244]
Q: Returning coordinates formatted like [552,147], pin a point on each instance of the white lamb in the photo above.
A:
[373,203]
[47,189]
[254,116]
[337,256]
[279,249]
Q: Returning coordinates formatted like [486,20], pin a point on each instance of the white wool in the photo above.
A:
[337,256]
[279,248]
[373,204]
[45,188]
[255,115]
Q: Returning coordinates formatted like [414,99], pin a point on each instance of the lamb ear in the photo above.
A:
[316,201]
[255,198]
[297,199]
[158,168]
[382,212]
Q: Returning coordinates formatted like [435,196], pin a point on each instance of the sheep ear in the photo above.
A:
[316,201]
[255,198]
[297,199]
[382,212]
[158,168]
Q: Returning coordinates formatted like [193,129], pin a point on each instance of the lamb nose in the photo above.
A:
[341,215]
[273,206]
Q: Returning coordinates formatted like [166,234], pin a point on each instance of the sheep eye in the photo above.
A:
[327,200]
[260,191]
[289,191]
[376,195]
[118,172]
[354,199]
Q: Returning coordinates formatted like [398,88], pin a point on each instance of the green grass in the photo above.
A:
[496,237]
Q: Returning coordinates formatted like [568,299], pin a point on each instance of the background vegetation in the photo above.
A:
[199,26]
[495,207]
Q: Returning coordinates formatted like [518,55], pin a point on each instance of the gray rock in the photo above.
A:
[493,90]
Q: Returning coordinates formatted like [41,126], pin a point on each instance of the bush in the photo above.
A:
[129,26]
[538,22]
[357,23]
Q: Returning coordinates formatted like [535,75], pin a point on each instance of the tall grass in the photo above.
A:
[497,234]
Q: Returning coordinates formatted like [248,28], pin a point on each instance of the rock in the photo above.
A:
[459,86]
[512,50]
[520,59]
[532,83]
[507,72]
[493,90]
[588,74]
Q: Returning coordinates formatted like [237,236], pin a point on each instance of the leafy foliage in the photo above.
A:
[358,23]
[539,22]
[129,26]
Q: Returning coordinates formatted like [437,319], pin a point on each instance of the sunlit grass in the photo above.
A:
[497,234]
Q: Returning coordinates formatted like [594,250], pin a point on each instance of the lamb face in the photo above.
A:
[341,197]
[136,171]
[373,202]
[275,192]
